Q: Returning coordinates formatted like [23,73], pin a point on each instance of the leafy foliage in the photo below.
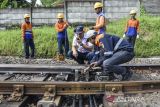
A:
[4,3]
[23,3]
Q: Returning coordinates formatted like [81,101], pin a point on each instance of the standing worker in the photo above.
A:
[62,37]
[132,28]
[100,26]
[27,36]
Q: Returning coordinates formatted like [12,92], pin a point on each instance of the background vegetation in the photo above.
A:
[23,3]
[46,42]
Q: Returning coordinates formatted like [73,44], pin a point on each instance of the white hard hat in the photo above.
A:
[26,16]
[132,12]
[60,15]
[90,33]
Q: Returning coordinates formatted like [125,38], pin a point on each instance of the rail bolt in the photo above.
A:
[114,90]
[50,90]
[17,89]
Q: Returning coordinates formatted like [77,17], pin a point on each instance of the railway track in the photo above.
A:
[65,86]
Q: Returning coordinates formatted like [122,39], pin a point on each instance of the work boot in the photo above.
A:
[60,57]
[32,57]
[26,57]
[111,76]
[127,75]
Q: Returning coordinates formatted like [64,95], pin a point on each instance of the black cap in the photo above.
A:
[79,29]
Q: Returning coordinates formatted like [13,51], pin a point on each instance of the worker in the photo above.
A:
[100,26]
[62,36]
[80,46]
[27,36]
[109,53]
[132,28]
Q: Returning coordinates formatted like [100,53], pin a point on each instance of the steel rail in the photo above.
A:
[68,88]
[27,68]
[24,68]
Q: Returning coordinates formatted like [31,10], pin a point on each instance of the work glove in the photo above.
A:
[137,36]
[75,54]
[124,35]
[79,41]
[98,37]
[94,64]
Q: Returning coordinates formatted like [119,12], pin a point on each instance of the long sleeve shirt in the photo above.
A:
[108,47]
[26,29]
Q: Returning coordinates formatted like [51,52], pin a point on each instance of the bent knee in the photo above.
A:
[106,64]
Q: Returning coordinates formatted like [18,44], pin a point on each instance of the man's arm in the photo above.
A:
[74,47]
[58,29]
[23,30]
[65,25]
[101,23]
[138,27]
[89,48]
[32,32]
[126,27]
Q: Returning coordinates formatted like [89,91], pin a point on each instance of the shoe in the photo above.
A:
[32,57]
[68,58]
[127,75]
[111,76]
[26,57]
[117,78]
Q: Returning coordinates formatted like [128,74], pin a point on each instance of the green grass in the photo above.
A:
[45,39]
[148,43]
[46,44]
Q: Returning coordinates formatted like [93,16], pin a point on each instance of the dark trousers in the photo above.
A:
[63,42]
[29,43]
[131,39]
[80,58]
[92,57]
[111,65]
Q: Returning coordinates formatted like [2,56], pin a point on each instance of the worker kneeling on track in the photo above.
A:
[80,46]
[109,52]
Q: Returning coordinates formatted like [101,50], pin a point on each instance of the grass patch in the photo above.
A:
[46,39]
[148,43]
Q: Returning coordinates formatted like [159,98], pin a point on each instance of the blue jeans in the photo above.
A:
[111,65]
[91,56]
[29,43]
[80,58]
[63,42]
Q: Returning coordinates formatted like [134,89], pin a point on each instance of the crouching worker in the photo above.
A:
[111,51]
[27,36]
[62,37]
[80,46]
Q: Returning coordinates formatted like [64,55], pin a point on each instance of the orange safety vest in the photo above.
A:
[27,30]
[102,29]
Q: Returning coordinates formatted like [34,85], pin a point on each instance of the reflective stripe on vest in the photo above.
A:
[28,34]
[109,53]
[118,43]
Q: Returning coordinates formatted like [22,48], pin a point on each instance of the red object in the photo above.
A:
[110,98]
